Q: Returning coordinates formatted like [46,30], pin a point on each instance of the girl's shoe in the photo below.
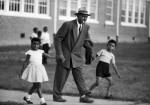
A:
[43,103]
[27,100]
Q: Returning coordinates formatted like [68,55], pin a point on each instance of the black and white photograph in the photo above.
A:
[74,52]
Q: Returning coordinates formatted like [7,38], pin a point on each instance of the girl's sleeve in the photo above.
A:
[42,51]
[99,52]
[28,52]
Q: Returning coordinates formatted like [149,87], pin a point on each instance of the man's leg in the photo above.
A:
[80,82]
[60,78]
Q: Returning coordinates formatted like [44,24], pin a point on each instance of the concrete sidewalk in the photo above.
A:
[16,96]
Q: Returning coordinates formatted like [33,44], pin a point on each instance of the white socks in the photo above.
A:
[83,96]
[28,97]
[42,100]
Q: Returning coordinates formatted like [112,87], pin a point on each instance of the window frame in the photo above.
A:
[133,23]
[22,13]
[68,11]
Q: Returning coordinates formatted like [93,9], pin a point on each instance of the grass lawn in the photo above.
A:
[133,62]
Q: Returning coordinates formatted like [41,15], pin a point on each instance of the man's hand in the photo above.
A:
[60,58]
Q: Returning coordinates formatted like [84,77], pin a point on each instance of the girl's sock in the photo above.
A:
[42,100]
[28,97]
[83,96]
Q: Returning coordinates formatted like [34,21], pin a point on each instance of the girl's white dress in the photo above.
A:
[35,71]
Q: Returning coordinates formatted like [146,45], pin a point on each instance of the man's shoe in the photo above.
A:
[85,100]
[59,100]
[27,100]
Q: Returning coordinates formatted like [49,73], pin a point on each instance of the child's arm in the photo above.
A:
[25,63]
[47,55]
[116,70]
[94,57]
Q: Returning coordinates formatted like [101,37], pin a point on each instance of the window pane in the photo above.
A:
[63,8]
[42,7]
[123,12]
[14,5]
[108,17]
[108,10]
[142,21]
[2,3]
[129,19]
[123,19]
[29,6]
[109,3]
[136,20]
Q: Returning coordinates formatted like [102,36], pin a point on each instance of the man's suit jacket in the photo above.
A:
[69,45]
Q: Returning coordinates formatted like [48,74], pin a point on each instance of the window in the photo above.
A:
[133,12]
[43,6]
[67,8]
[29,6]
[2,3]
[14,5]
[25,8]
[109,12]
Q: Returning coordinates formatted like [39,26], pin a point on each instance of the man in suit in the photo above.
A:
[69,40]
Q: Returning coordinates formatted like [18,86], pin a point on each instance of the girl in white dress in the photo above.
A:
[102,70]
[34,71]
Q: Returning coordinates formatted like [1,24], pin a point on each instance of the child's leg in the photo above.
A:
[31,91]
[28,97]
[95,84]
[109,79]
[39,92]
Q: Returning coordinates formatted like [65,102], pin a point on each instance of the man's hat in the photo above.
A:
[82,11]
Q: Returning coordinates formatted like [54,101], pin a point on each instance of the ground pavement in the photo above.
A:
[16,96]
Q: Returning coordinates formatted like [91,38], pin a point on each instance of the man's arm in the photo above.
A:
[58,41]
[88,45]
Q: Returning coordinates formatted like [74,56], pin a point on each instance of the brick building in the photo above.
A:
[127,20]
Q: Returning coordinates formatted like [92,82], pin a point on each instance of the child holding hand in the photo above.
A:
[34,71]
[106,57]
